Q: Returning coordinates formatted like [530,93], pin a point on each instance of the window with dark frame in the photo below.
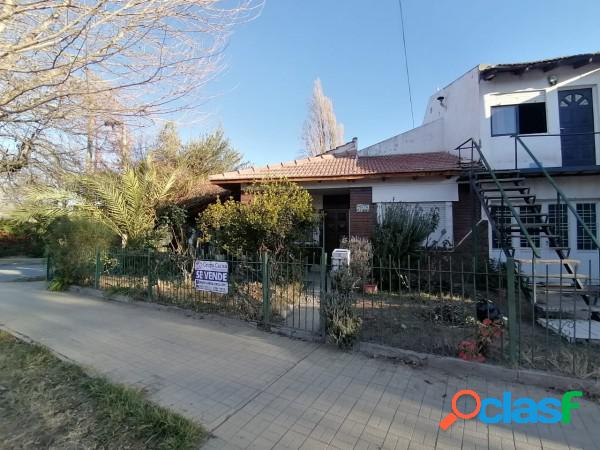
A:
[559,218]
[525,118]
[502,217]
[587,212]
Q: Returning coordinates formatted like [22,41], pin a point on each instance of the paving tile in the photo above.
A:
[258,390]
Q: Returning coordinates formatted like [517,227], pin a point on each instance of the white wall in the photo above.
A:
[427,190]
[530,87]
[446,124]
[427,193]
[459,110]
[424,139]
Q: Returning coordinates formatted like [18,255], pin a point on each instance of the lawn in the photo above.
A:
[48,403]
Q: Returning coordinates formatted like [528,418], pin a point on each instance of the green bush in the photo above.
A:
[343,325]
[403,230]
[72,244]
[277,219]
[21,239]
[361,258]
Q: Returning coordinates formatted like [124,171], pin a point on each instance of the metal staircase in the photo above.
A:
[513,212]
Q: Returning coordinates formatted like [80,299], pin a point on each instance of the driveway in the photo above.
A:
[21,268]
[257,390]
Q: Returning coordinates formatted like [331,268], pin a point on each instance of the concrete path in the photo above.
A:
[257,390]
[20,268]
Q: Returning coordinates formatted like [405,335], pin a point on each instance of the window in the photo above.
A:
[526,118]
[558,217]
[502,217]
[527,215]
[587,212]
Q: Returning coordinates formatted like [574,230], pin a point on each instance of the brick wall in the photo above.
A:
[463,218]
[462,212]
[362,224]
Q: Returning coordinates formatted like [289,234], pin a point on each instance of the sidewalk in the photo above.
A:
[257,390]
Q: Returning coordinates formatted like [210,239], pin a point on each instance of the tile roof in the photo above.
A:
[331,166]
[488,71]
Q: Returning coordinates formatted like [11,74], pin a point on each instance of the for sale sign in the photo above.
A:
[211,276]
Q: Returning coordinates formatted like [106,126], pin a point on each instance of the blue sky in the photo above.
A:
[355,48]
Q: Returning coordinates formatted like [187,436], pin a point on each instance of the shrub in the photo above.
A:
[21,239]
[72,244]
[477,348]
[403,230]
[361,258]
[277,219]
[343,325]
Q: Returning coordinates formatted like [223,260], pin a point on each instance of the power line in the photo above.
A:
[412,114]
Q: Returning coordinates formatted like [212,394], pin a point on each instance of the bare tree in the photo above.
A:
[70,67]
[321,130]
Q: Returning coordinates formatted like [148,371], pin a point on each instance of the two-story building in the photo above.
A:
[534,125]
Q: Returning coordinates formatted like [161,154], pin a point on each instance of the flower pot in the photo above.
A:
[369,288]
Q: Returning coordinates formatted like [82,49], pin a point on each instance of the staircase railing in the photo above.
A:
[473,146]
[560,193]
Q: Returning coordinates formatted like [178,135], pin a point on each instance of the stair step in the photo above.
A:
[511,197]
[506,189]
[501,180]
[558,276]
[573,262]
[516,227]
[503,174]
[568,290]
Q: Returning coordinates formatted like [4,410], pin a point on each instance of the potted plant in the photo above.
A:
[370,288]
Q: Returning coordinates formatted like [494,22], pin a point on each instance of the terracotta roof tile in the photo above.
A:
[332,166]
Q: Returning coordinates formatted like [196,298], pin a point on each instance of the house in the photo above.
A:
[519,113]
[352,190]
[515,146]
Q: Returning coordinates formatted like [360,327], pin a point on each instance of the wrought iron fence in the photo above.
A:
[497,312]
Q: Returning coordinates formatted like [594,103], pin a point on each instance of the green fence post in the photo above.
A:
[266,291]
[48,268]
[150,278]
[97,271]
[322,293]
[512,311]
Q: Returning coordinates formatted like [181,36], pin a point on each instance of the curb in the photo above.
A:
[446,364]
[460,368]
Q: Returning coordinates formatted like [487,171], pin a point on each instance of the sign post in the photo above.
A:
[211,276]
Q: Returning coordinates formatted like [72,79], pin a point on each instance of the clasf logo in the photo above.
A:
[509,410]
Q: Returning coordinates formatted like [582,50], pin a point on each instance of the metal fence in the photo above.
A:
[488,311]
[285,294]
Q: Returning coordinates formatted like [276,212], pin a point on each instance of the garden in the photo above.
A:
[128,233]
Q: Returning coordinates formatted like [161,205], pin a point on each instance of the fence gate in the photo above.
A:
[292,298]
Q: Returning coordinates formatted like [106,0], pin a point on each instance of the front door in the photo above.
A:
[576,113]
[336,227]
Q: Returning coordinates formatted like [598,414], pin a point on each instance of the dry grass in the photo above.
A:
[47,403]
[420,323]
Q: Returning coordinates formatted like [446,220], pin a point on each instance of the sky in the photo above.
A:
[355,48]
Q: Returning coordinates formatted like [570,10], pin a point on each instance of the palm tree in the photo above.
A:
[124,202]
